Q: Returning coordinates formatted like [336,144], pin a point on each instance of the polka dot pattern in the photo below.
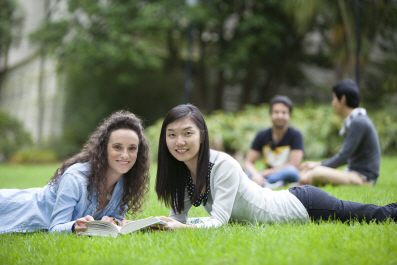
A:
[190,188]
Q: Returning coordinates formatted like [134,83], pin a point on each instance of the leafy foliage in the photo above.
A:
[112,57]
[233,132]
[131,55]
[10,21]
[12,134]
[33,156]
[335,23]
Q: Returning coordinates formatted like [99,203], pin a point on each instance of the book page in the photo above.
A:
[101,228]
[139,224]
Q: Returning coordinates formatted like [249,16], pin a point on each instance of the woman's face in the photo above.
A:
[122,152]
[183,140]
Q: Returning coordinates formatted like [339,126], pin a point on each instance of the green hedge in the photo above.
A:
[233,132]
[12,135]
[33,156]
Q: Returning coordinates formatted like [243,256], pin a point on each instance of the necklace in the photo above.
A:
[109,196]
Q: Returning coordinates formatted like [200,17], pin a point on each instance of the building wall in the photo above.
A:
[19,87]
[19,95]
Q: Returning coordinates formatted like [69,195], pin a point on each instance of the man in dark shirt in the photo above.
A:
[360,150]
[281,147]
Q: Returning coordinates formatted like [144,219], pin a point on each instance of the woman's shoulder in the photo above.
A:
[218,157]
[225,169]
[79,170]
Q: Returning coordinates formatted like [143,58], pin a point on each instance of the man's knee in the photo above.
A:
[323,175]
[292,170]
[291,173]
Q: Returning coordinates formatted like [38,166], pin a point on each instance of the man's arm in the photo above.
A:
[353,138]
[249,165]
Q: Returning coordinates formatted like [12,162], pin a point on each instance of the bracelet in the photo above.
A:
[73,226]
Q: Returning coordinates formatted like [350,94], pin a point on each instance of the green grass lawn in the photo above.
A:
[325,243]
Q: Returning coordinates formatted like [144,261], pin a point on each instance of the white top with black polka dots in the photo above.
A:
[190,188]
[232,196]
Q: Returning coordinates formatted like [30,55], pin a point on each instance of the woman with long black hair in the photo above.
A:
[189,173]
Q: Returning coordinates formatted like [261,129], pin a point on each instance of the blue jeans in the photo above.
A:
[321,205]
[287,174]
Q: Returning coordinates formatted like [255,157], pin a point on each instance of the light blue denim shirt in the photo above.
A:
[55,208]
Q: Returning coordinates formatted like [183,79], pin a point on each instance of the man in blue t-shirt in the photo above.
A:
[281,147]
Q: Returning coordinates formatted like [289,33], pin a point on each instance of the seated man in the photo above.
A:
[360,150]
[281,147]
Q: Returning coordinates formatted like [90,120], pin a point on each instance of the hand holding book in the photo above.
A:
[104,228]
[80,224]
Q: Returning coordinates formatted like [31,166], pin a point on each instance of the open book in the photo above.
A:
[102,228]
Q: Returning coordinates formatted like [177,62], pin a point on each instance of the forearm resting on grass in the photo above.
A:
[172,224]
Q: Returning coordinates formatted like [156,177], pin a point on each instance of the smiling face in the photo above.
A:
[183,141]
[280,115]
[122,152]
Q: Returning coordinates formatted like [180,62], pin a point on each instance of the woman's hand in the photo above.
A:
[111,220]
[172,224]
[80,225]
[124,222]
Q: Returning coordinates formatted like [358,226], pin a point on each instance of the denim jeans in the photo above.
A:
[321,205]
[286,174]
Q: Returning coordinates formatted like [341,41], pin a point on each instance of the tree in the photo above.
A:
[10,22]
[113,56]
[335,20]
[247,44]
[131,54]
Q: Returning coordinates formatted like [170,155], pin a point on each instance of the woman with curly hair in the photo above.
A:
[107,179]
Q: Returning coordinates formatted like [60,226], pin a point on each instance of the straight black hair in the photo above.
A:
[351,91]
[172,174]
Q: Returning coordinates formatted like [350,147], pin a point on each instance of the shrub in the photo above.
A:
[153,135]
[33,156]
[385,122]
[12,134]
[233,132]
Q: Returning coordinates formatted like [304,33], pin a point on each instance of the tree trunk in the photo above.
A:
[219,89]
[349,45]
[248,83]
[202,85]
[173,60]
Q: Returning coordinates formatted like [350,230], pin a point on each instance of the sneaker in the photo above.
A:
[274,185]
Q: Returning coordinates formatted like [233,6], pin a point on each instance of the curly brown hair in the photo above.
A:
[136,180]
